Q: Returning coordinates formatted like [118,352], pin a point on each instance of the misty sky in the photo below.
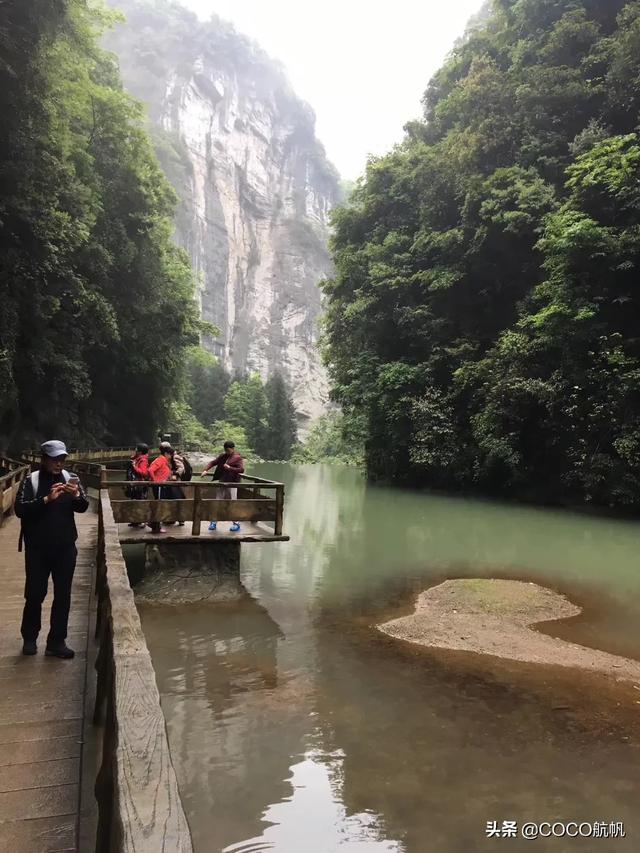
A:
[361,64]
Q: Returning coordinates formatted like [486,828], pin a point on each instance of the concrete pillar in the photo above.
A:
[191,571]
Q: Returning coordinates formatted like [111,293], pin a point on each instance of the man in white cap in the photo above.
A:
[46,503]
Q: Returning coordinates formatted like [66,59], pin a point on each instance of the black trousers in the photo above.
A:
[40,562]
[173,493]
[158,494]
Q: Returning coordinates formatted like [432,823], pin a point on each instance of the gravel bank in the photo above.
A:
[496,617]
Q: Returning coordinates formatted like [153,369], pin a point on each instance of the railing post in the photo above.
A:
[195,524]
[279,510]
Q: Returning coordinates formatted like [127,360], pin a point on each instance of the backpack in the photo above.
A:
[133,491]
[34,479]
[188,470]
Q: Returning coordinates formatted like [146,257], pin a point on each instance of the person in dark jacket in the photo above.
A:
[229,467]
[178,469]
[138,470]
[46,503]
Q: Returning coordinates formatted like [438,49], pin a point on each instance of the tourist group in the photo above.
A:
[171,467]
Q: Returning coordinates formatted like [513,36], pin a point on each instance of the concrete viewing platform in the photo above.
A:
[46,798]
[249,532]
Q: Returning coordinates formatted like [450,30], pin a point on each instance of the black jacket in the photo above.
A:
[48,525]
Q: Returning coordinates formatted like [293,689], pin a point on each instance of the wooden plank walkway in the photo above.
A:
[42,708]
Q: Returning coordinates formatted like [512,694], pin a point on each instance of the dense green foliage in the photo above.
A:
[97,303]
[265,413]
[206,384]
[333,439]
[245,405]
[222,431]
[282,431]
[211,408]
[484,316]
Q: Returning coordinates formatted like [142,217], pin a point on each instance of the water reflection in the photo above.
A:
[295,726]
[314,819]
[438,753]
[211,660]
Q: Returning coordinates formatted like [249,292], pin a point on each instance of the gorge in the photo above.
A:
[254,185]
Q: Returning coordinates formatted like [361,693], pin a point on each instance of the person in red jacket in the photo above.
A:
[140,462]
[160,471]
[229,467]
[138,470]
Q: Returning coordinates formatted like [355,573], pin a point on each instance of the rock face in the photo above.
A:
[254,183]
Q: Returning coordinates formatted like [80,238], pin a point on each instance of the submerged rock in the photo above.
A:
[189,572]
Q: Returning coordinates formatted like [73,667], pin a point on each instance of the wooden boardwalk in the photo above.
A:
[42,711]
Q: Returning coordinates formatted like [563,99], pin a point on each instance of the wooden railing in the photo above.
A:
[104,454]
[139,803]
[10,483]
[96,456]
[92,474]
[200,503]
[95,451]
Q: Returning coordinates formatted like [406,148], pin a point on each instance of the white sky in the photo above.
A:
[363,65]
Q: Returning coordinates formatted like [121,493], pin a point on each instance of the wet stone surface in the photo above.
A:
[190,572]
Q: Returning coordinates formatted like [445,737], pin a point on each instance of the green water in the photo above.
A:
[295,726]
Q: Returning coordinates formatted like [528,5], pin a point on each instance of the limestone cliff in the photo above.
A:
[254,184]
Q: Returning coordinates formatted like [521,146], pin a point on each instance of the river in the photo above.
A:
[295,726]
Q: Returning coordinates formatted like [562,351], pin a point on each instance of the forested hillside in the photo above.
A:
[484,320]
[97,302]
[215,406]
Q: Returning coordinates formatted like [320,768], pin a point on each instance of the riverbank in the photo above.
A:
[498,618]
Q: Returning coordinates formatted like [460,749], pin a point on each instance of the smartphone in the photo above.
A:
[74,480]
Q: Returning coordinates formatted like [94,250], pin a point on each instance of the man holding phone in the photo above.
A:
[46,503]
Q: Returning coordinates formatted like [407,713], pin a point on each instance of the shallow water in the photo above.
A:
[295,726]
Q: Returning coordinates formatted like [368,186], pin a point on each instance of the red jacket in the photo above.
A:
[235,463]
[140,466]
[160,470]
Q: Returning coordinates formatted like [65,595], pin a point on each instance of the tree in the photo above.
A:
[560,394]
[335,438]
[282,432]
[246,406]
[97,301]
[207,383]
[222,431]
[482,316]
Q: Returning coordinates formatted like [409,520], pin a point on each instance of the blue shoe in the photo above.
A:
[235,527]
[213,525]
